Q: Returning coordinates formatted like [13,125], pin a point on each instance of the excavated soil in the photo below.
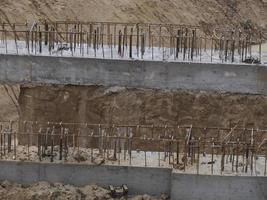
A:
[116,105]
[47,191]
[8,109]
[195,12]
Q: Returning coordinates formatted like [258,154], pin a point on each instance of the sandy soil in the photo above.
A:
[101,105]
[47,191]
[195,12]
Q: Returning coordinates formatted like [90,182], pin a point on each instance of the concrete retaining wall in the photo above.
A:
[140,180]
[193,187]
[139,74]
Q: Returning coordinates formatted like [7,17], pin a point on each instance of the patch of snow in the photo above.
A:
[111,52]
[114,89]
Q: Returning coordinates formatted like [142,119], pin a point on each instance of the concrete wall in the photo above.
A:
[140,180]
[193,187]
[140,74]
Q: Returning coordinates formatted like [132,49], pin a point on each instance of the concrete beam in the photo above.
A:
[204,187]
[133,74]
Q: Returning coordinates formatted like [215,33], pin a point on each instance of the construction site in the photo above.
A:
[141,100]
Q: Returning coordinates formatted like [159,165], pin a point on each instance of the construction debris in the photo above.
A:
[51,191]
[119,191]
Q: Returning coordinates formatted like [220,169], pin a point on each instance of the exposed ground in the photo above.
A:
[8,109]
[117,105]
[195,12]
[47,191]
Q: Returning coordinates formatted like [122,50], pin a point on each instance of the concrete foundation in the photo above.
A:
[140,180]
[137,74]
[153,181]
[202,187]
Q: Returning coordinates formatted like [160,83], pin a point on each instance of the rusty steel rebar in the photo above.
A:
[244,147]
[231,45]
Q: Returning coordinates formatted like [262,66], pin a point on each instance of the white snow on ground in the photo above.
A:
[145,159]
[114,89]
[111,52]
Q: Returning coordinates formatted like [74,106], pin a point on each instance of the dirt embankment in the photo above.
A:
[8,109]
[194,12]
[135,106]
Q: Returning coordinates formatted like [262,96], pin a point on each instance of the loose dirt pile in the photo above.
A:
[58,191]
[194,12]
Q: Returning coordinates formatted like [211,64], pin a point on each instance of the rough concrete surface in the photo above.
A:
[192,187]
[134,74]
[153,181]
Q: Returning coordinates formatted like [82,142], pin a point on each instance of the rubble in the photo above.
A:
[59,191]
